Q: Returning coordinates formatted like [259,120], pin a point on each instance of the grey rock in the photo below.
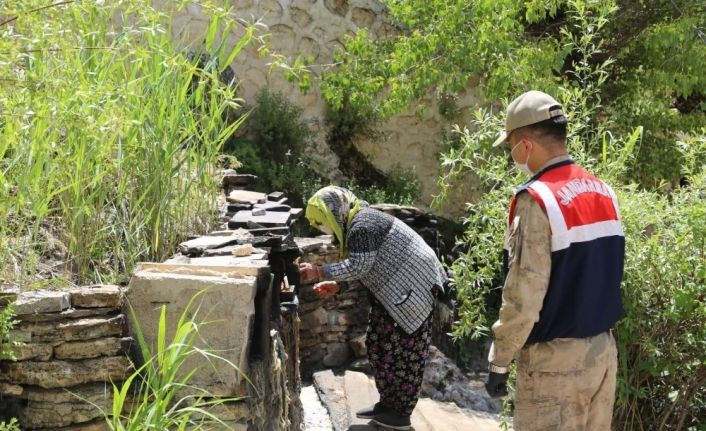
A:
[71,330]
[50,414]
[92,349]
[8,294]
[71,313]
[337,354]
[108,296]
[275,196]
[295,213]
[269,219]
[315,320]
[246,197]
[64,374]
[228,302]
[272,206]
[90,392]
[233,179]
[39,352]
[332,393]
[444,381]
[8,389]
[358,346]
[41,301]
[362,366]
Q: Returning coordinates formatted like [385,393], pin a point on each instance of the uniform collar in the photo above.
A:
[553,161]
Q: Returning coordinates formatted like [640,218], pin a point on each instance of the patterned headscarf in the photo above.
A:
[332,208]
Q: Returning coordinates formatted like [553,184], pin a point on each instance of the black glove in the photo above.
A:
[496,384]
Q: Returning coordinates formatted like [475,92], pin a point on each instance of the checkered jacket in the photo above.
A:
[394,263]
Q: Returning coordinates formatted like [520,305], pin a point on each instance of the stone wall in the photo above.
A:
[77,343]
[332,330]
[317,28]
[74,345]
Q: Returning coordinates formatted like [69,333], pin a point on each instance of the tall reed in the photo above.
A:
[109,132]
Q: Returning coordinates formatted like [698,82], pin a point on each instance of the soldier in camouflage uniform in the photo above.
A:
[564,251]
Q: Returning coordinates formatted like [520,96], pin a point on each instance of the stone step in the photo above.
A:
[345,394]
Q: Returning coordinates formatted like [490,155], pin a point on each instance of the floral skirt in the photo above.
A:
[397,359]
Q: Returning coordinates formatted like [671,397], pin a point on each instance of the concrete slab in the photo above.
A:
[215,270]
[344,395]
[332,392]
[275,196]
[360,392]
[227,309]
[435,415]
[296,213]
[254,260]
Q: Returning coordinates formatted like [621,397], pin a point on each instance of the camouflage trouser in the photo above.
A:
[576,395]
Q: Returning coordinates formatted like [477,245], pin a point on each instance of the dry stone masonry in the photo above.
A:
[78,342]
[74,345]
[333,330]
[249,280]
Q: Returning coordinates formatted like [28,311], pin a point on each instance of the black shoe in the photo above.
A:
[392,420]
[370,412]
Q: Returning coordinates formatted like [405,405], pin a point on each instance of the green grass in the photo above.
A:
[159,395]
[109,134]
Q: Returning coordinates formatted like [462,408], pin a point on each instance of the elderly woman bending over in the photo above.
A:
[401,273]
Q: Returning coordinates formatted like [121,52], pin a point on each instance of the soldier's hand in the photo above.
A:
[496,384]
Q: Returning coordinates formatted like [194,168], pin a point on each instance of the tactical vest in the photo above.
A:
[588,250]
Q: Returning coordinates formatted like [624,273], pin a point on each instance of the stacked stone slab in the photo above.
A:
[253,210]
[223,297]
[232,319]
[74,345]
[252,307]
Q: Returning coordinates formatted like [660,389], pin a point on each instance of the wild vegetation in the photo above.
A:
[628,75]
[272,145]
[7,323]
[109,135]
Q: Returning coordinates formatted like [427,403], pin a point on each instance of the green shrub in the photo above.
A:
[276,127]
[110,134]
[271,146]
[10,426]
[7,323]
[401,187]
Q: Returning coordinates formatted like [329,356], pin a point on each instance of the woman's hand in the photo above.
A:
[326,289]
[309,273]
